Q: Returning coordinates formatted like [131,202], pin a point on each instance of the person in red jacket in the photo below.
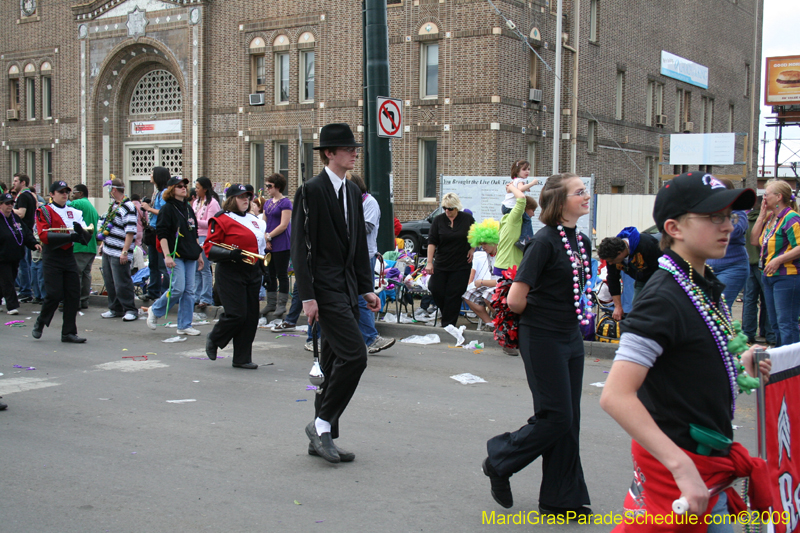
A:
[398,227]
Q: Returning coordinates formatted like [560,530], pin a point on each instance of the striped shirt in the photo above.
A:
[124,222]
[780,237]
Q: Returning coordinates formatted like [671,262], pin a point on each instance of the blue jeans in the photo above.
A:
[752,323]
[527,229]
[182,293]
[204,281]
[366,318]
[24,274]
[734,276]
[157,269]
[720,508]
[37,280]
[782,294]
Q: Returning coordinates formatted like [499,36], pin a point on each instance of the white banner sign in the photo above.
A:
[702,149]
[155,127]
[683,69]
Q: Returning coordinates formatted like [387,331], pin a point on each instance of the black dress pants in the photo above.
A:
[237,285]
[61,282]
[554,368]
[343,358]
[447,287]
[8,273]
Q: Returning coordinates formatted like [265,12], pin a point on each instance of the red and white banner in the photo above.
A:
[155,127]
[782,396]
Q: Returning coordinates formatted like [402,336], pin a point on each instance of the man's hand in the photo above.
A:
[311,310]
[38,247]
[617,314]
[764,366]
[470,254]
[373,301]
[169,262]
[123,259]
[692,487]
[429,268]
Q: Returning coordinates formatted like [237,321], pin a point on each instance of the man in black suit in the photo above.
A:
[328,211]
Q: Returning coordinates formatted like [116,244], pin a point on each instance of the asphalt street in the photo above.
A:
[94,441]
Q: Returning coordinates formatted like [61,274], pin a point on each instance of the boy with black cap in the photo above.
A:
[61,277]
[673,368]
[14,237]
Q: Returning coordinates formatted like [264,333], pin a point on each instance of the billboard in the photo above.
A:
[782,81]
[702,149]
[683,69]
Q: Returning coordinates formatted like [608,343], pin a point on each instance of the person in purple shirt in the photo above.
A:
[278,215]
[733,269]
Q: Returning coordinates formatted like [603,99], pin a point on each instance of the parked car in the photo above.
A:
[415,233]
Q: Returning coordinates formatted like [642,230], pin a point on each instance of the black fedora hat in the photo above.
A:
[336,136]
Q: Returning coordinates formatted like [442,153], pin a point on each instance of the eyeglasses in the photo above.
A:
[268,185]
[181,186]
[450,208]
[8,203]
[719,218]
[350,149]
[582,192]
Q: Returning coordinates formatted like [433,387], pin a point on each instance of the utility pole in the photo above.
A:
[376,83]
[557,100]
[763,157]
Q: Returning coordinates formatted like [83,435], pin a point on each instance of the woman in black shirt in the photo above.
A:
[449,258]
[547,293]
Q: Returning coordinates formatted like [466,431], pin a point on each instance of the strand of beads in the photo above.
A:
[580,282]
[718,321]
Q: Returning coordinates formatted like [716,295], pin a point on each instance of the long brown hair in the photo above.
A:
[553,197]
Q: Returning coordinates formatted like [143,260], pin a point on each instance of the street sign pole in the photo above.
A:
[379,156]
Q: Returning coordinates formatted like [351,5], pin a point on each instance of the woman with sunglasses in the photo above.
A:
[547,294]
[183,256]
[449,258]
[205,206]
[777,232]
[278,216]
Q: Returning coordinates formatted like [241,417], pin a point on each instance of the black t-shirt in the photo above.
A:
[451,244]
[28,201]
[548,270]
[640,265]
[688,383]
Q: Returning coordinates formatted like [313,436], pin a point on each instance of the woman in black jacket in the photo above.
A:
[14,236]
[177,236]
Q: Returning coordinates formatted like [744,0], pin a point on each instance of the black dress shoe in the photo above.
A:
[248,366]
[211,348]
[564,511]
[501,488]
[37,301]
[84,305]
[37,330]
[72,338]
[26,299]
[344,456]
[3,406]
[323,444]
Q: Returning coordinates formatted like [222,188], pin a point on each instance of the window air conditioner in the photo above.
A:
[257,99]
[536,95]
[12,114]
[688,127]
[661,120]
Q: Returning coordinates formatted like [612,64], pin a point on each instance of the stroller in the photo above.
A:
[140,281]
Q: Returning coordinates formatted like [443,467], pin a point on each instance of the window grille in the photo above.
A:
[158,91]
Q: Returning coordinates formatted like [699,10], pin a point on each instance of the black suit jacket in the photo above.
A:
[340,265]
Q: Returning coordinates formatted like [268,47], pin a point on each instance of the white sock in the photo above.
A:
[322,426]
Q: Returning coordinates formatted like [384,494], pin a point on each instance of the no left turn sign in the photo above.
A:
[390,117]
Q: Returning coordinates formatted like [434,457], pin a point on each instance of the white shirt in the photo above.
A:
[337,183]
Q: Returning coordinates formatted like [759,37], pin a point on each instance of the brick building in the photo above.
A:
[228,89]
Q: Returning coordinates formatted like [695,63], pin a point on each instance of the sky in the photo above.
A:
[779,15]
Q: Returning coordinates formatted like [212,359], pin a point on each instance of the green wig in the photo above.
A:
[487,232]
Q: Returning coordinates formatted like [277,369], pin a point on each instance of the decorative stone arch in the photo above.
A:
[282,38]
[46,65]
[306,37]
[13,70]
[424,21]
[30,68]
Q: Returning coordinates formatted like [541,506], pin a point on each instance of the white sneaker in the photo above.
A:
[189,331]
[309,346]
[109,314]
[13,312]
[151,318]
[130,316]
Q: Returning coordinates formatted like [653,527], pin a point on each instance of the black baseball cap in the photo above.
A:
[6,198]
[59,186]
[237,189]
[174,180]
[697,192]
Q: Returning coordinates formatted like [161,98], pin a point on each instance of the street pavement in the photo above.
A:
[92,443]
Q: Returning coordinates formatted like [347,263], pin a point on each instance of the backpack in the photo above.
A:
[607,329]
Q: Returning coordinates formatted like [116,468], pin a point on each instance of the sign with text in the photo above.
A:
[390,117]
[702,149]
[682,69]
[782,81]
[155,127]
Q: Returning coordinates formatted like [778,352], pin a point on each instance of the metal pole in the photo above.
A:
[557,99]
[576,32]
[379,155]
[763,158]
[760,355]
[753,78]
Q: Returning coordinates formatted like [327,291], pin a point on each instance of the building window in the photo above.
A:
[158,91]
[747,80]
[430,70]
[30,98]
[14,160]
[651,89]
[707,114]
[30,164]
[617,189]
[47,97]
[47,169]
[534,72]
[307,164]
[307,76]
[281,78]
[427,169]
[651,175]
[257,165]
[13,94]
[282,159]
[619,108]
[678,108]
[591,137]
[593,10]
[730,118]
[686,109]
[259,77]
[659,99]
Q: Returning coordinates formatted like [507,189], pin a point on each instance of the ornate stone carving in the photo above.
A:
[137,22]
